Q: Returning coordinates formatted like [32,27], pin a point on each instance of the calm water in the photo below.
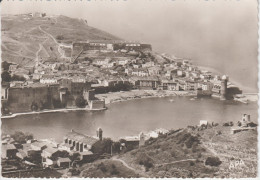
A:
[129,118]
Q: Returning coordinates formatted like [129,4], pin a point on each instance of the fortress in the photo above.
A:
[37,96]
[80,47]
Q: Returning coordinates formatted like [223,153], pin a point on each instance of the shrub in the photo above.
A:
[59,154]
[145,160]
[185,151]
[17,78]
[102,147]
[251,124]
[56,103]
[194,149]
[6,77]
[213,161]
[102,167]
[114,171]
[228,123]
[4,108]
[21,137]
[5,65]
[60,37]
[173,154]
[34,106]
[219,132]
[192,163]
[80,101]
[191,140]
[164,147]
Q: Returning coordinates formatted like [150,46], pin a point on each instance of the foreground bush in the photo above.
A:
[213,161]
[145,160]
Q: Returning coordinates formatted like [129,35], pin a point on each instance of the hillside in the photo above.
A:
[107,168]
[27,39]
[192,152]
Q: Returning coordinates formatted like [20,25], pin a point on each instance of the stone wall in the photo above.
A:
[21,99]
[97,104]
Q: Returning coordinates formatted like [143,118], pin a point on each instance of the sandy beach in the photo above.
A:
[137,94]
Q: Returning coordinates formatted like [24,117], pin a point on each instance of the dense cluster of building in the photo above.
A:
[49,153]
[105,66]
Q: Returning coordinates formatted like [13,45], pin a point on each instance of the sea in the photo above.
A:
[132,117]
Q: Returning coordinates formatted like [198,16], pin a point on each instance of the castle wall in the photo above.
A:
[97,104]
[21,99]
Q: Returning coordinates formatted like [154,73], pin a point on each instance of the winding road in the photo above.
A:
[61,51]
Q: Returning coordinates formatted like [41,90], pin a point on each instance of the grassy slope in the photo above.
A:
[21,38]
[106,168]
[232,147]
[164,151]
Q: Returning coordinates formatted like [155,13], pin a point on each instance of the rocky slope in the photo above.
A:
[26,39]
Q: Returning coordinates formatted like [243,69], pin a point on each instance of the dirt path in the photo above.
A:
[175,162]
[139,171]
[208,148]
[123,162]
[60,50]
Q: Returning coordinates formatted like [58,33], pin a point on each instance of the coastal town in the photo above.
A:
[90,67]
[67,73]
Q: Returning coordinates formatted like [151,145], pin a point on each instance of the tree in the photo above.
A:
[59,154]
[145,160]
[34,106]
[116,147]
[80,101]
[60,37]
[213,161]
[102,147]
[75,157]
[56,103]
[17,78]
[5,65]
[4,108]
[21,137]
[6,77]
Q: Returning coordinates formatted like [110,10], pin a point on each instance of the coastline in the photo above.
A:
[111,98]
[114,97]
[44,111]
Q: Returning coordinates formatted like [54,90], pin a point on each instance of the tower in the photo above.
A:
[99,133]
[142,139]
[223,90]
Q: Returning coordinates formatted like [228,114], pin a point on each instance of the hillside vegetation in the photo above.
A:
[193,152]
[27,39]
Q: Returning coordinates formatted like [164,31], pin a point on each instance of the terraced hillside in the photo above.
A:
[27,39]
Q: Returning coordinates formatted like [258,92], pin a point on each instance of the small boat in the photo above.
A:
[171,100]
[192,99]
